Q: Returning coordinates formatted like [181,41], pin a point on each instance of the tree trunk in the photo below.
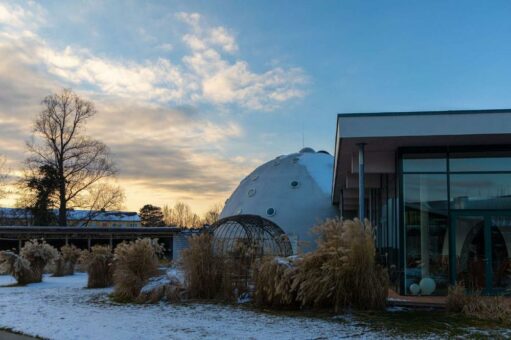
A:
[62,196]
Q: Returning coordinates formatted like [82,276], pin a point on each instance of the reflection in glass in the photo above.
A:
[466,164]
[501,252]
[480,191]
[425,197]
[470,252]
[424,163]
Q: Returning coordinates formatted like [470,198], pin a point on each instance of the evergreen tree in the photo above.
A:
[151,216]
[44,184]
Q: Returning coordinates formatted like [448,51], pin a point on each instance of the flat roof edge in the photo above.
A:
[417,113]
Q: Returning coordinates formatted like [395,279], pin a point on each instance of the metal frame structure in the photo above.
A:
[265,237]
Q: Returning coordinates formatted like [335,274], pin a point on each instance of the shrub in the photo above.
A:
[202,268]
[65,263]
[274,277]
[474,305]
[342,271]
[165,287]
[16,266]
[135,263]
[456,298]
[98,262]
[38,254]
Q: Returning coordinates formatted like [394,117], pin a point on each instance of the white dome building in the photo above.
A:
[292,191]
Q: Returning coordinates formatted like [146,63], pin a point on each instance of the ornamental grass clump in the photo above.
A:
[203,269]
[135,263]
[168,287]
[98,262]
[65,263]
[38,253]
[473,305]
[16,266]
[457,299]
[342,271]
[273,278]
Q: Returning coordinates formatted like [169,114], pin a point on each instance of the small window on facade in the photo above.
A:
[251,192]
[270,212]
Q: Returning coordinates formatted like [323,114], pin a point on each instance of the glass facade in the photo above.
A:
[455,220]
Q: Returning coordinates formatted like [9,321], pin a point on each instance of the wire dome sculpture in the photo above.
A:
[251,235]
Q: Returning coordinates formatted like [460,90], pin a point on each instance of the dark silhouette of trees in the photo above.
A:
[78,161]
[44,184]
[151,216]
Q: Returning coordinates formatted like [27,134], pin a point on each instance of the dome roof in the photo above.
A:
[292,191]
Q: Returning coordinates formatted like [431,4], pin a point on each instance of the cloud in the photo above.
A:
[202,76]
[165,47]
[158,115]
[221,37]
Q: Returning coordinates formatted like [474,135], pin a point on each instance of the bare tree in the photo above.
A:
[213,214]
[167,215]
[3,178]
[79,160]
[101,197]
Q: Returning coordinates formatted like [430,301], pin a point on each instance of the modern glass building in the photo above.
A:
[437,188]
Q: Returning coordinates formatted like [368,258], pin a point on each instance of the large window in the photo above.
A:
[426,236]
[434,187]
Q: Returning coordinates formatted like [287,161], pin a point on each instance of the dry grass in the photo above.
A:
[164,287]
[65,263]
[203,269]
[274,278]
[38,253]
[135,263]
[474,305]
[237,269]
[98,262]
[457,299]
[340,273]
[16,266]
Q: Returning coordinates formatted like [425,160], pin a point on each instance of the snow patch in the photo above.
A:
[61,308]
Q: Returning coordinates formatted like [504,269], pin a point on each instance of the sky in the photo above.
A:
[193,95]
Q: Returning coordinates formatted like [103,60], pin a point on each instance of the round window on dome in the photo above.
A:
[294,184]
[251,192]
[270,212]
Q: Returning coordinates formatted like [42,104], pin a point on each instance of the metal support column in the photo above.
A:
[361,182]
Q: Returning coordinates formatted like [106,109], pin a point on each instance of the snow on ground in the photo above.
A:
[61,308]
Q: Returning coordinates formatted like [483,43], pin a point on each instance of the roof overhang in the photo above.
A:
[384,133]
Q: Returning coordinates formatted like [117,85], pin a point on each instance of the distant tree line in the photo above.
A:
[180,215]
